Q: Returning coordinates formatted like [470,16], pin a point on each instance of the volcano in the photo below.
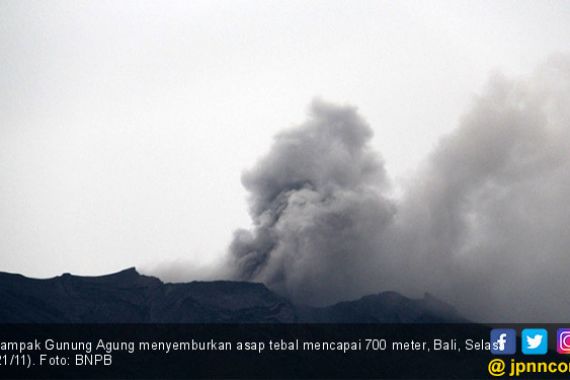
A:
[129,297]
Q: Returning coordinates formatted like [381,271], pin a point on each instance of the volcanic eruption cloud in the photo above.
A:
[484,224]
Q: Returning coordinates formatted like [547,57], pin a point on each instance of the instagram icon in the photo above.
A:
[563,341]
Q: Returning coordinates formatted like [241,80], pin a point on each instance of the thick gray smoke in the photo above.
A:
[485,224]
[318,210]
[487,220]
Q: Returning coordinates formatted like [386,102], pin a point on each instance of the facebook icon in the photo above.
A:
[503,341]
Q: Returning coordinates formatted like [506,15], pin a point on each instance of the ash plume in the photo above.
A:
[484,223]
[318,210]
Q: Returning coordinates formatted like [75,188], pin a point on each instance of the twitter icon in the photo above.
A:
[534,341]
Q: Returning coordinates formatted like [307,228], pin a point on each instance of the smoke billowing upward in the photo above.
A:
[484,223]
[318,210]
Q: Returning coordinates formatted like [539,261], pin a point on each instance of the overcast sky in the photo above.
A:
[125,125]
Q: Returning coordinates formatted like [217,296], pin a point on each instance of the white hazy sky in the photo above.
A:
[125,125]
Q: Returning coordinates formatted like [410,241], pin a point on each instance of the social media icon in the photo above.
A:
[534,341]
[504,341]
[563,341]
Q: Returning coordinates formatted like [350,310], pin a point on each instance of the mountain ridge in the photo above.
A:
[129,297]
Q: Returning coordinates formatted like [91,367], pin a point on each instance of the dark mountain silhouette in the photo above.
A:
[128,297]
